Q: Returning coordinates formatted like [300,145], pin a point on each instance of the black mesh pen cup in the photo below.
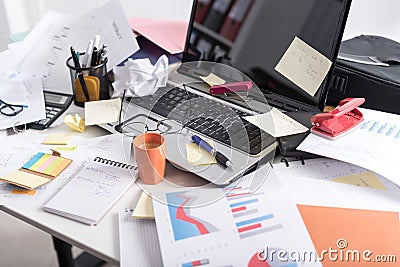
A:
[89,83]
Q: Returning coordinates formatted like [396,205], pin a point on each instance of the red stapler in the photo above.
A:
[340,120]
[231,87]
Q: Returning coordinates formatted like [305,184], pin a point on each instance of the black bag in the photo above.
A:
[379,85]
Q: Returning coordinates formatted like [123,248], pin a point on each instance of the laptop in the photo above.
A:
[185,107]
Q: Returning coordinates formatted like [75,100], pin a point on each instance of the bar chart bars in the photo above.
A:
[196,263]
[250,218]
[384,129]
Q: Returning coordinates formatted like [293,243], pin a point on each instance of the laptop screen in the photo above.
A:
[253,35]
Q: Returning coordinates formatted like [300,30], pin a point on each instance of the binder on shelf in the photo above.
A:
[202,8]
[93,191]
[235,18]
[216,14]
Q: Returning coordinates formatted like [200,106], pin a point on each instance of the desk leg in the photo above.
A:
[65,258]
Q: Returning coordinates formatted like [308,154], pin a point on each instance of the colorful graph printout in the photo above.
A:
[185,225]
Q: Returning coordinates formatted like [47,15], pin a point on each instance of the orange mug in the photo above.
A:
[150,157]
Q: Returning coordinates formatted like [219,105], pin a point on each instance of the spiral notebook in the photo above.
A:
[93,191]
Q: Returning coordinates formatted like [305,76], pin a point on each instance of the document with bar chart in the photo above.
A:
[230,231]
[374,145]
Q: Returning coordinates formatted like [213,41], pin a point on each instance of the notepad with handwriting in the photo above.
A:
[93,191]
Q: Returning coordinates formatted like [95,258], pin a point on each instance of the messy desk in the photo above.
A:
[157,163]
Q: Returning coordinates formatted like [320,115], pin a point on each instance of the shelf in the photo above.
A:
[213,35]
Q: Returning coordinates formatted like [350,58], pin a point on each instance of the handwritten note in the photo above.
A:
[92,192]
[304,66]
[276,123]
[103,111]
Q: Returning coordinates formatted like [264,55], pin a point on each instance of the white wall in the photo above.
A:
[374,17]
[23,15]
[3,28]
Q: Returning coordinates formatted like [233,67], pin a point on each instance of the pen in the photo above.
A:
[88,55]
[218,155]
[94,57]
[80,74]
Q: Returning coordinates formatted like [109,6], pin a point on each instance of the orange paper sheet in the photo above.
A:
[168,34]
[373,235]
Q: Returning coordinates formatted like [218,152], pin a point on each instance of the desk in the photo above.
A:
[102,240]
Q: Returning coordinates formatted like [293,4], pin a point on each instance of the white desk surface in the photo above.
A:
[102,240]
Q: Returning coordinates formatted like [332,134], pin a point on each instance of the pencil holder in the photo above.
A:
[89,83]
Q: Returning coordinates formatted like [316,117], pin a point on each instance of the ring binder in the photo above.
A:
[298,158]
[114,163]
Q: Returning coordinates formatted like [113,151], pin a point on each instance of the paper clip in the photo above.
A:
[340,120]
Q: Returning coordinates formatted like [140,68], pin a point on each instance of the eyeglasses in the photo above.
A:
[141,123]
[10,109]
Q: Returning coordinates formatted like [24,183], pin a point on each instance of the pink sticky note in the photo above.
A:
[168,34]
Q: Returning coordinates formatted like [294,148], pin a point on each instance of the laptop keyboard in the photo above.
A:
[209,117]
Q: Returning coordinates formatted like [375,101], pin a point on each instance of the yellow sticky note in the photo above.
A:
[197,156]
[365,179]
[57,139]
[75,122]
[144,208]
[213,79]
[23,192]
[66,148]
[25,179]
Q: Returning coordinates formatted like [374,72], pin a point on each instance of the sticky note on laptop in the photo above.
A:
[197,156]
[304,66]
[276,123]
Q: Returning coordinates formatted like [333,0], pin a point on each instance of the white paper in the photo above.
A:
[330,170]
[35,110]
[12,91]
[220,239]
[102,111]
[304,66]
[323,193]
[91,193]
[276,123]
[374,145]
[138,241]
[46,48]
[139,77]
[120,41]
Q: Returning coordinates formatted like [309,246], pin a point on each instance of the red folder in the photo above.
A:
[202,8]
[235,19]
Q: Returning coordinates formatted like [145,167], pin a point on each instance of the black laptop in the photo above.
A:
[266,29]
[187,106]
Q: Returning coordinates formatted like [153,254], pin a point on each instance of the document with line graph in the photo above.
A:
[228,227]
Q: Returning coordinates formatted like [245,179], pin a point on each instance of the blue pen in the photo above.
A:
[218,155]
